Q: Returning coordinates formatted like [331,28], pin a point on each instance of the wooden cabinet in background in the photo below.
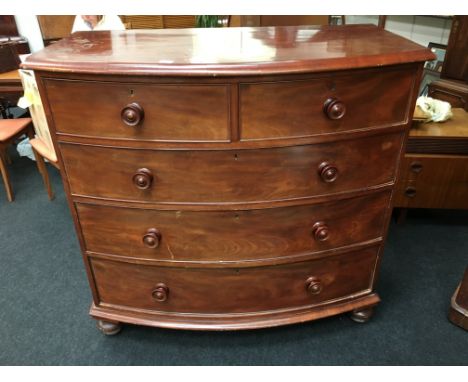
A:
[434,170]
[55,27]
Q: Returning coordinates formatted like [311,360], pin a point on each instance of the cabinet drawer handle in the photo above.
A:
[143,179]
[328,172]
[334,108]
[152,238]
[132,114]
[416,167]
[410,192]
[314,285]
[320,231]
[161,292]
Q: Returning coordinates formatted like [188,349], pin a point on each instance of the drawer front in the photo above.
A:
[296,108]
[229,290]
[184,176]
[231,235]
[433,181]
[169,112]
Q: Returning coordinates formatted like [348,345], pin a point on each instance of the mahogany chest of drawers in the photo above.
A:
[230,178]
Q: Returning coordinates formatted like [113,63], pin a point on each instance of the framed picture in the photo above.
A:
[439,50]
[427,77]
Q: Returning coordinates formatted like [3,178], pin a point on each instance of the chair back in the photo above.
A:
[32,99]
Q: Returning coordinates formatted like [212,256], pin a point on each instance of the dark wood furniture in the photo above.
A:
[456,59]
[233,185]
[452,91]
[453,85]
[10,91]
[458,312]
[434,170]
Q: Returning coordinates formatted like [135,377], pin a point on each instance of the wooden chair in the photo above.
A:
[11,129]
[42,145]
[41,151]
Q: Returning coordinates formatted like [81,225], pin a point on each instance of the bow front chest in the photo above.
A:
[230,178]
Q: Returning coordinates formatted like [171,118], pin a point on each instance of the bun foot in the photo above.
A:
[362,315]
[109,328]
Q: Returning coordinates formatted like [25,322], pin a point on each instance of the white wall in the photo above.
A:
[420,29]
[28,27]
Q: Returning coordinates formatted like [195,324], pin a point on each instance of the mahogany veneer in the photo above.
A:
[230,178]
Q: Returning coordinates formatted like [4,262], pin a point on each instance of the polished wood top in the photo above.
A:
[11,76]
[228,51]
[457,126]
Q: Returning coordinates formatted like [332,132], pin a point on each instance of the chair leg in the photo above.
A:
[41,166]
[6,178]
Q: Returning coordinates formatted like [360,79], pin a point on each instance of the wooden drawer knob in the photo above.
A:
[334,108]
[161,292]
[152,238]
[320,231]
[132,114]
[328,172]
[143,179]
[314,285]
[410,192]
[416,167]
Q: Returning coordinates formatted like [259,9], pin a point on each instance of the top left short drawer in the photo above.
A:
[150,111]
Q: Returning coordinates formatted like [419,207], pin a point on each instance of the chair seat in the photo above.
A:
[10,127]
[39,145]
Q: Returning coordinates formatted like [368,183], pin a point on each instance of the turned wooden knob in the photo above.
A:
[314,285]
[161,292]
[328,172]
[320,231]
[151,238]
[132,114]
[410,192]
[416,167]
[334,108]
[143,179]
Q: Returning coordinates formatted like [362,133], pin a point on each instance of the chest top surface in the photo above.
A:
[227,51]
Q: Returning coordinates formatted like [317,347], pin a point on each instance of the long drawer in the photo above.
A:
[287,109]
[231,235]
[164,112]
[232,290]
[215,176]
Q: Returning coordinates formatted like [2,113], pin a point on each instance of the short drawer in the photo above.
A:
[232,290]
[232,235]
[231,176]
[291,109]
[167,112]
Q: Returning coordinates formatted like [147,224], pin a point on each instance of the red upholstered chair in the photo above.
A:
[11,129]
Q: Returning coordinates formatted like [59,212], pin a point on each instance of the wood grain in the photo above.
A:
[231,236]
[287,109]
[228,51]
[442,182]
[171,112]
[232,290]
[230,176]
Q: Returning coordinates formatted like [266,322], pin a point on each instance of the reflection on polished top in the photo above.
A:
[228,51]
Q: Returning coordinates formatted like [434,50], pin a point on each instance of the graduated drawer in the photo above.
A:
[169,112]
[237,176]
[231,235]
[232,290]
[288,109]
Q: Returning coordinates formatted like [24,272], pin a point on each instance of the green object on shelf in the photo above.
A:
[208,22]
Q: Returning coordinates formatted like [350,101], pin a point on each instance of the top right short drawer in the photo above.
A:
[335,103]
